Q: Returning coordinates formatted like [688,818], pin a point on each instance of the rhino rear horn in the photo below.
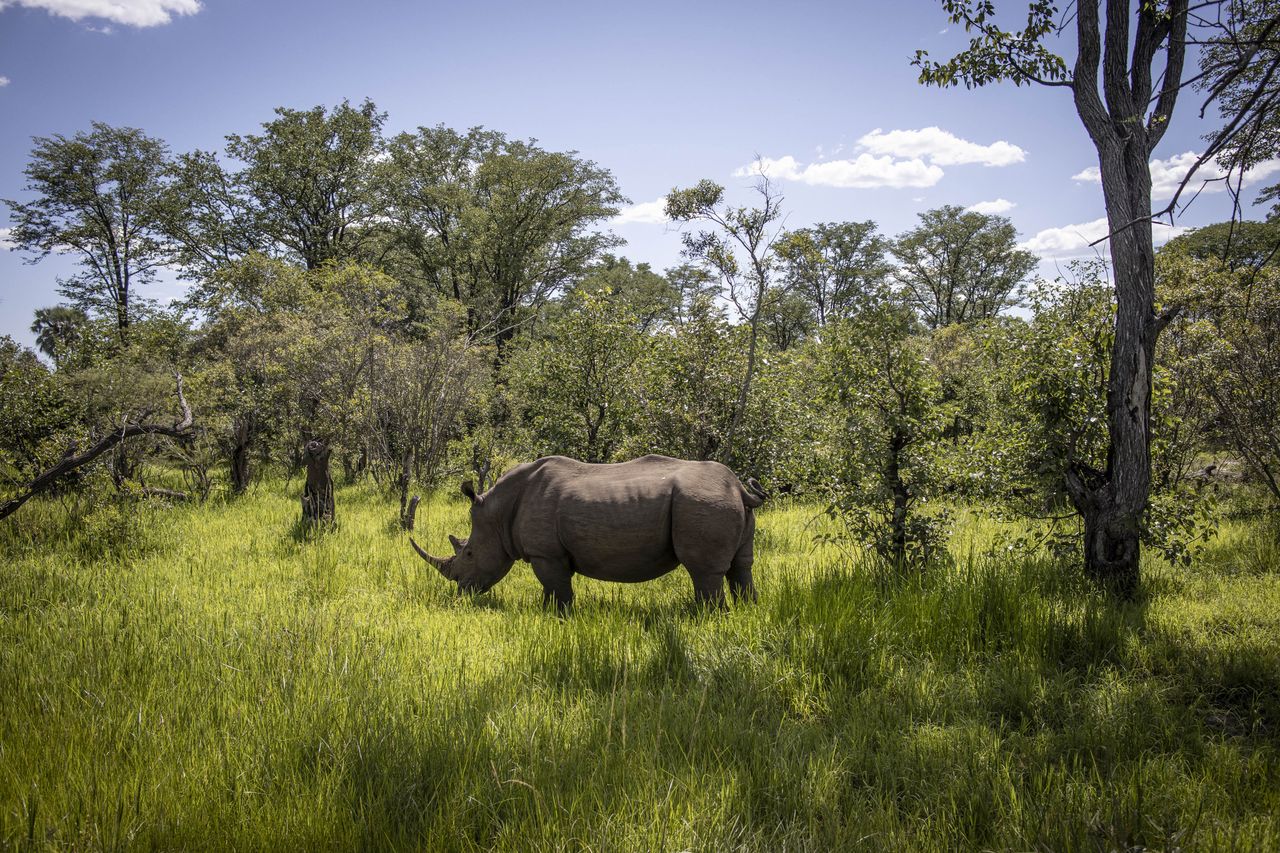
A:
[438,562]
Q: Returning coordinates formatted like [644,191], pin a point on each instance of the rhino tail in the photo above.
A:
[753,494]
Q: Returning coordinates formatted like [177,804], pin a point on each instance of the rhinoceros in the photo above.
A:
[628,522]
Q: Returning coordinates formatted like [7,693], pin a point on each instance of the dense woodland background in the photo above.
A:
[442,304]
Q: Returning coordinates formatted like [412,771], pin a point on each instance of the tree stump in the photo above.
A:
[409,513]
[317,494]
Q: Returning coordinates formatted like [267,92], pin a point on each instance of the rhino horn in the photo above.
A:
[439,563]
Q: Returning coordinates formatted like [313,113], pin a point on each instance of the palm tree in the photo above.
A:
[57,330]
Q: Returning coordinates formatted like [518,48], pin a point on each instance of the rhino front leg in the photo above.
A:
[557,583]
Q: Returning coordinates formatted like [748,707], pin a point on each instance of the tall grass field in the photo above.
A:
[216,678]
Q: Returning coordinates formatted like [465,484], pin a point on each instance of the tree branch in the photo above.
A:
[181,431]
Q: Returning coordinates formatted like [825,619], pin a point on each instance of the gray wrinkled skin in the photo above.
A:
[626,522]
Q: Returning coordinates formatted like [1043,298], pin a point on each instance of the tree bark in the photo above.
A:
[317,493]
[241,435]
[409,512]
[901,498]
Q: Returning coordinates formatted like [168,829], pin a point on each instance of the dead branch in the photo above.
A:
[180,431]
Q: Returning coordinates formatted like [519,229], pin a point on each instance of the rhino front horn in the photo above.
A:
[435,561]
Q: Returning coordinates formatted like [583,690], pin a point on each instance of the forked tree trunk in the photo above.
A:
[1112,502]
[317,494]
[409,512]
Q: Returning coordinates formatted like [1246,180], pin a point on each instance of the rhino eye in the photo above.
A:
[468,552]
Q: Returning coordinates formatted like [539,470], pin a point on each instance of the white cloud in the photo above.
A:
[1167,174]
[1072,241]
[897,159]
[862,172]
[1000,205]
[941,147]
[648,212]
[4,81]
[133,13]
[5,242]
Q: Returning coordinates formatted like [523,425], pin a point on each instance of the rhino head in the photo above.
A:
[480,560]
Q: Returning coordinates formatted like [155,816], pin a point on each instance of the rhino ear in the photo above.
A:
[456,542]
[470,491]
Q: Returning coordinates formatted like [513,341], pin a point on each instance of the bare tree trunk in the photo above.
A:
[901,497]
[241,435]
[744,392]
[409,513]
[317,494]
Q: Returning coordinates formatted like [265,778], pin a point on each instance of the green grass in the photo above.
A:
[215,680]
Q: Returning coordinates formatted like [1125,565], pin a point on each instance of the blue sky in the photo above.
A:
[661,93]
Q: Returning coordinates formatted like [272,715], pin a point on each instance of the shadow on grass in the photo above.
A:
[303,530]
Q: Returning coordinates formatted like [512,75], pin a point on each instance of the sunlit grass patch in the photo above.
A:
[230,684]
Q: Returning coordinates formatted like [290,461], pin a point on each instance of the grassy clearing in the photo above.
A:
[218,680]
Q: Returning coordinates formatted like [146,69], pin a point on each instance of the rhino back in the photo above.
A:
[630,521]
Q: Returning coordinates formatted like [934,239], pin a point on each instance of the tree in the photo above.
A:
[690,391]
[57,330]
[209,216]
[35,413]
[309,178]
[72,460]
[575,388]
[494,223]
[877,376]
[747,283]
[836,266]
[99,196]
[652,298]
[1140,56]
[1239,245]
[959,265]
[1229,341]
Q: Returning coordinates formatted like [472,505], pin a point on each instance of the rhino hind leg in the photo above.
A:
[557,583]
[708,587]
[741,583]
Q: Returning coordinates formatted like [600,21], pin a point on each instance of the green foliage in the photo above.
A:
[98,195]
[497,224]
[837,267]
[692,385]
[1041,390]
[307,182]
[574,388]
[1229,360]
[1238,70]
[59,330]
[1236,244]
[35,412]
[887,392]
[995,54]
[959,266]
